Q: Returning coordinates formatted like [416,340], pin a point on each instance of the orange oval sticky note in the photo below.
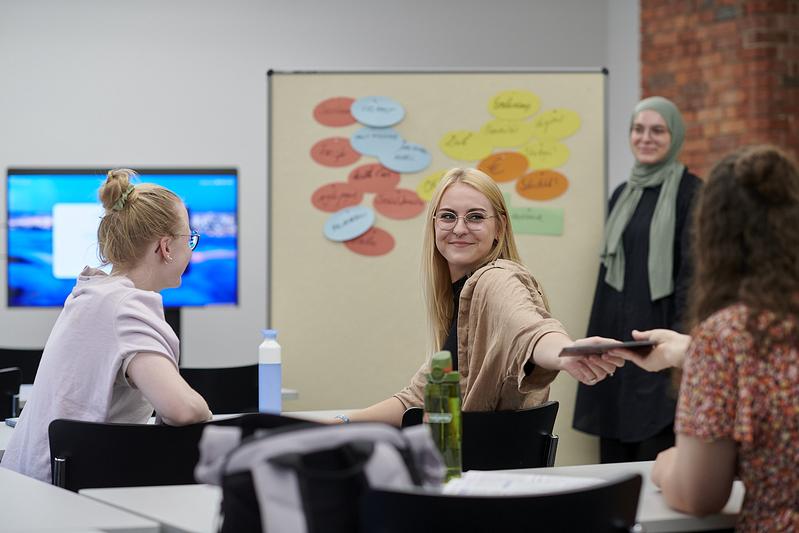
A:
[542,185]
[334,112]
[514,104]
[336,196]
[374,242]
[556,124]
[504,166]
[373,177]
[399,204]
[334,152]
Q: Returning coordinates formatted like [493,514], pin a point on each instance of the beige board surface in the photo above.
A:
[352,327]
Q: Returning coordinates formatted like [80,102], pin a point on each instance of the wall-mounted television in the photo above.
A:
[53,216]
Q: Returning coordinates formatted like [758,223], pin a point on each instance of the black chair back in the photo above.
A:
[500,440]
[227,389]
[609,507]
[97,455]
[27,360]
[10,380]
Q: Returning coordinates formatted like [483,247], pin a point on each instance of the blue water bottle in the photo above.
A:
[269,374]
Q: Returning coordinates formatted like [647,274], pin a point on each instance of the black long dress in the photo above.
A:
[634,404]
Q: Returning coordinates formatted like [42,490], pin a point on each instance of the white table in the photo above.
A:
[177,508]
[30,505]
[25,393]
[654,514]
[194,508]
[319,415]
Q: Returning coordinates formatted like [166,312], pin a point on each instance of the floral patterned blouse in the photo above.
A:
[730,391]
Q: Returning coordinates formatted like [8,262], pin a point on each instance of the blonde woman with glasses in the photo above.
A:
[111,356]
[486,308]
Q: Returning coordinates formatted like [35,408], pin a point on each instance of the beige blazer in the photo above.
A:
[501,318]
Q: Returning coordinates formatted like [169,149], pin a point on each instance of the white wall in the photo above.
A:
[624,64]
[182,83]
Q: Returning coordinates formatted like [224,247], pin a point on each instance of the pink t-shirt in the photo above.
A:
[105,322]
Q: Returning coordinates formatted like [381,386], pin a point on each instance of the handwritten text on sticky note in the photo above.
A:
[537,220]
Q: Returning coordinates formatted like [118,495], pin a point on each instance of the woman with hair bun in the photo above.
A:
[111,356]
[738,412]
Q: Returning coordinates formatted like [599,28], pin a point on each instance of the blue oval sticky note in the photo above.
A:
[377,111]
[409,157]
[349,223]
[376,141]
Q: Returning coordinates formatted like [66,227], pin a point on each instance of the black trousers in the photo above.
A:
[616,451]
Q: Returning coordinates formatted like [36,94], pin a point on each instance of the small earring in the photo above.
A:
[169,259]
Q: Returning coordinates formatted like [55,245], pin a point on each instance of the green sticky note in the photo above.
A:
[537,220]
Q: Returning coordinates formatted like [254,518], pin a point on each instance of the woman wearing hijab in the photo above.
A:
[643,281]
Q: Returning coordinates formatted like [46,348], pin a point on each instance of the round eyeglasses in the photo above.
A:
[194,238]
[474,221]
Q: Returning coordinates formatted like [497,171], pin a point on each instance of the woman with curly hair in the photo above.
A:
[738,412]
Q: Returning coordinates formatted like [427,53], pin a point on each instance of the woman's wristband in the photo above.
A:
[344,418]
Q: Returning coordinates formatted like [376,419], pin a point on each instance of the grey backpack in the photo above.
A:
[310,478]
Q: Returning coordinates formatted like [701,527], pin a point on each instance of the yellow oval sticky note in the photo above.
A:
[545,154]
[465,145]
[504,166]
[514,104]
[555,124]
[428,185]
[507,133]
[542,185]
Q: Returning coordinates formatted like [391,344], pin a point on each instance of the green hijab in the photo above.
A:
[667,172]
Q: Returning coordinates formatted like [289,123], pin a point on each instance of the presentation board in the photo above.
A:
[353,160]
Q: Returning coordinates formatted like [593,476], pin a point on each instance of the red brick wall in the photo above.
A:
[731,66]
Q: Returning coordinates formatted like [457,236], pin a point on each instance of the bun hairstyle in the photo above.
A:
[135,216]
[746,236]
[768,174]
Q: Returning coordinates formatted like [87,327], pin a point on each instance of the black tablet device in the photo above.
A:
[639,347]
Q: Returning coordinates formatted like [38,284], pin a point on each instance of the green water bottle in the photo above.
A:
[442,410]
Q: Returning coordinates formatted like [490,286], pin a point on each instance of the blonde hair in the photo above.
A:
[134,217]
[435,269]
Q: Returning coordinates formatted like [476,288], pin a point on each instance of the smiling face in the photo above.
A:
[650,138]
[464,247]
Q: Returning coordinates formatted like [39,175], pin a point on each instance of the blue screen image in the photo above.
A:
[41,241]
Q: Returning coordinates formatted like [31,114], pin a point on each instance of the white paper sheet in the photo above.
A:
[479,483]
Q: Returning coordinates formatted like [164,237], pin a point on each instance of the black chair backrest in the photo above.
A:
[226,389]
[27,360]
[500,440]
[605,508]
[97,455]
[10,380]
